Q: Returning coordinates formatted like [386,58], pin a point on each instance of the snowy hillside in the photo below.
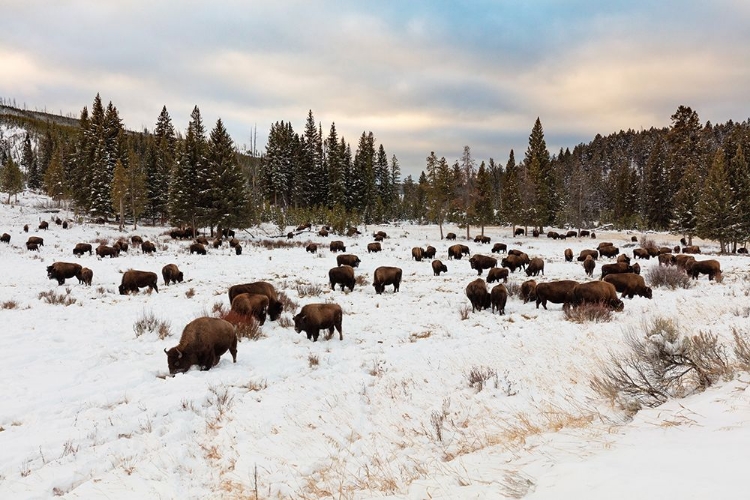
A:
[89,409]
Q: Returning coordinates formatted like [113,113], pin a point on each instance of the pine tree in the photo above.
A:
[363,177]
[539,167]
[119,191]
[11,180]
[658,213]
[137,193]
[739,181]
[715,212]
[439,190]
[484,206]
[161,162]
[395,183]
[466,189]
[56,182]
[510,199]
[335,169]
[188,187]
[29,164]
[79,163]
[686,204]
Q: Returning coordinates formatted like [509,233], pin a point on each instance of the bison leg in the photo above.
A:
[315,333]
[60,281]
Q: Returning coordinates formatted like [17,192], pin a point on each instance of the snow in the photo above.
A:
[89,409]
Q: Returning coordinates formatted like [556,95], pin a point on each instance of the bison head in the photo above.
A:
[179,277]
[123,290]
[177,362]
[649,292]
[617,305]
[299,322]
[275,309]
[444,268]
[379,287]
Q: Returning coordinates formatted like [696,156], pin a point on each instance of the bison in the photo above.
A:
[35,240]
[385,275]
[480,238]
[497,274]
[478,295]
[597,292]
[519,232]
[585,253]
[251,305]
[217,243]
[499,247]
[374,247]
[641,253]
[691,249]
[315,317]
[583,233]
[381,234]
[107,251]
[197,248]
[85,276]
[450,236]
[498,298]
[528,290]
[61,271]
[666,259]
[417,253]
[342,275]
[238,249]
[623,258]
[571,234]
[512,262]
[710,267]
[348,260]
[32,247]
[202,240]
[682,260]
[311,247]
[482,262]
[121,246]
[148,247]
[5,238]
[588,265]
[82,248]
[455,252]
[429,252]
[133,280]
[136,240]
[609,251]
[438,267]
[323,232]
[629,284]
[535,267]
[337,246]
[44,225]
[616,268]
[203,342]
[275,307]
[557,292]
[568,255]
[25,228]
[172,273]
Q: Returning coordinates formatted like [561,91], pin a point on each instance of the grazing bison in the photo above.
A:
[482,262]
[553,234]
[583,233]
[498,298]
[347,259]
[450,236]
[535,267]
[597,292]
[519,232]
[585,253]
[302,227]
[482,239]
[238,249]
[623,258]
[203,342]
[710,267]
[133,280]
[499,247]
[35,240]
[374,247]
[535,233]
[634,238]
[478,295]
[497,274]
[251,305]
[629,284]
[85,276]
[381,234]
[609,251]
[25,228]
[197,248]
[637,268]
[568,255]
[429,252]
[557,292]
[65,225]
[352,231]
[121,246]
[742,250]
[148,247]
[417,253]
[386,275]
[32,246]
[171,273]
[641,253]
[454,252]
[682,260]
[377,237]
[107,251]
[136,240]
[588,265]
[227,233]
[691,249]
[323,232]
[571,234]
[513,262]
[61,271]
[313,318]
[438,267]
[342,275]
[616,268]
[312,248]
[604,244]
[528,290]
[5,238]
[275,307]
[666,259]
[337,246]
[44,225]
[233,242]
[217,243]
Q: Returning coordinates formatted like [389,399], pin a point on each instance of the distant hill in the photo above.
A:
[18,116]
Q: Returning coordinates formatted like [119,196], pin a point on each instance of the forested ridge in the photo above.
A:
[689,178]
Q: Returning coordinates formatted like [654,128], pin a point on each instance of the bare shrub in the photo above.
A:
[479,375]
[287,302]
[361,280]
[598,312]
[190,293]
[149,323]
[464,312]
[285,321]
[668,276]
[648,244]
[279,243]
[313,360]
[101,290]
[661,364]
[741,349]
[309,290]
[413,337]
[51,297]
[219,309]
[9,304]
[514,289]
[249,330]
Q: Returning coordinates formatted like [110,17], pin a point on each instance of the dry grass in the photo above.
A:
[668,276]
[464,312]
[313,360]
[9,304]
[308,290]
[190,293]
[361,280]
[149,323]
[52,297]
[479,375]
[279,243]
[413,337]
[287,302]
[514,289]
[596,312]
[285,321]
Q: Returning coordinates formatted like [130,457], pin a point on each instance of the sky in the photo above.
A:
[421,75]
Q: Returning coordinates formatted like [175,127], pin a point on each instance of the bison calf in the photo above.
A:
[438,267]
[203,342]
[251,305]
[172,273]
[275,307]
[498,298]
[315,317]
[85,276]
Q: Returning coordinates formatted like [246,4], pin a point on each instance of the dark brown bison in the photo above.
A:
[653,251]
[107,251]
[634,238]
[482,239]
[482,262]
[557,292]
[203,342]
[512,262]
[35,240]
[197,248]
[233,242]
[352,231]
[742,250]
[498,298]
[629,284]
[342,275]
[374,247]
[438,267]
[604,244]
[454,252]
[682,260]
[666,259]
[710,267]
[519,232]
[593,236]
[597,292]
[497,274]
[5,238]
[171,273]
[275,307]
[323,232]
[478,295]
[676,249]
[691,249]
[499,247]
[32,247]
[25,228]
[583,233]
[217,243]
[515,251]
[588,265]
[571,234]
[641,253]
[528,290]
[386,275]
[381,234]
[637,268]
[377,237]
[535,267]
[121,246]
[313,318]
[65,225]
[133,280]
[312,248]
[623,258]
[44,225]
[429,252]
[568,255]
[82,248]
[450,236]
[61,271]
[227,233]
[553,234]
[535,233]
[609,251]
[337,246]
[348,260]
[251,305]
[302,227]
[289,235]
[664,250]
[85,276]
[417,253]
[683,241]
[584,253]
[238,249]
[616,268]
[148,247]
[136,240]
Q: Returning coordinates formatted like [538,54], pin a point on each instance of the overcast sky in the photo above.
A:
[421,75]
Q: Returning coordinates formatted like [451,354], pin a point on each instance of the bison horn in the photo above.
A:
[165,350]
[179,354]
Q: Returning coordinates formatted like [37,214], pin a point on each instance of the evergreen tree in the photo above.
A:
[539,168]
[335,168]
[658,213]
[739,181]
[363,177]
[510,200]
[484,206]
[29,164]
[11,180]
[161,162]
[80,163]
[137,192]
[715,214]
[439,190]
[56,182]
[686,204]
[395,184]
[189,181]
[466,189]
[119,191]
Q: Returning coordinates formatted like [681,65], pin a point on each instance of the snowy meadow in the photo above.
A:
[421,399]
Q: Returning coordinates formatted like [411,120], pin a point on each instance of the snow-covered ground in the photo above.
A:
[88,409]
